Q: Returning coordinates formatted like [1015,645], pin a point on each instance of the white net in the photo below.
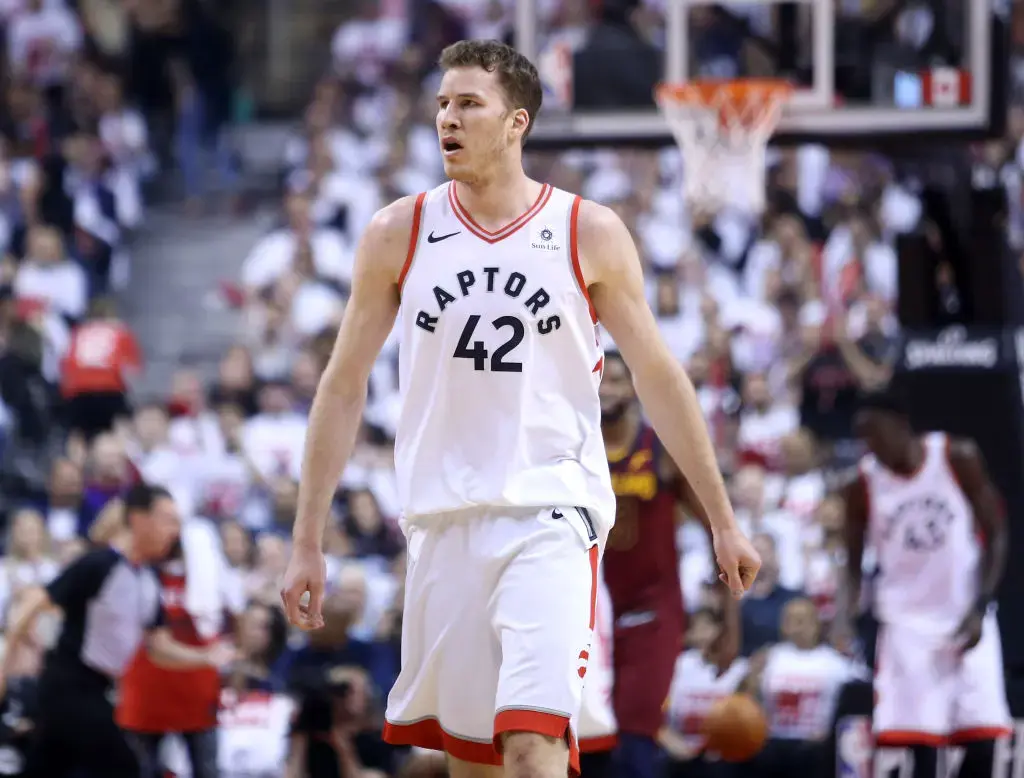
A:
[723,130]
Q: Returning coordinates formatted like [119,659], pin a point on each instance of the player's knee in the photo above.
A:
[532,755]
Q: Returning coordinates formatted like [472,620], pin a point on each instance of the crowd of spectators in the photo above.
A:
[780,321]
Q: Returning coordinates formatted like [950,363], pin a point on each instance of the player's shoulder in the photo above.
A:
[961,448]
[597,222]
[395,220]
[603,240]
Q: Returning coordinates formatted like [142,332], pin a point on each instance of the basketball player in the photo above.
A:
[501,467]
[641,566]
[927,508]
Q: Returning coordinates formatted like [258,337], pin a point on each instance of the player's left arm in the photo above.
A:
[732,635]
[968,465]
[611,267]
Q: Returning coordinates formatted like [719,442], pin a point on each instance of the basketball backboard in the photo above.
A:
[866,71]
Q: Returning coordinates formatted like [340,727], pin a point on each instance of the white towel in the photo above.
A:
[205,567]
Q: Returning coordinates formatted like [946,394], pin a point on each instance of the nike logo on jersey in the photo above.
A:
[431,238]
[557,514]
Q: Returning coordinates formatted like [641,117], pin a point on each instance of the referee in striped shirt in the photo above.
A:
[111,603]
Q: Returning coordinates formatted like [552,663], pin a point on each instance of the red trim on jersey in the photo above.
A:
[949,462]
[974,734]
[427,733]
[541,722]
[905,738]
[417,217]
[595,745]
[574,254]
[599,367]
[593,585]
[509,229]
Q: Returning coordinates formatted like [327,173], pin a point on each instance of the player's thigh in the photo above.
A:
[915,688]
[981,711]
[450,654]
[542,611]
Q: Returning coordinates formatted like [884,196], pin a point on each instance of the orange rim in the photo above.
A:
[716,92]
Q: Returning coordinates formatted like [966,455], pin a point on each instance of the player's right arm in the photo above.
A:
[337,409]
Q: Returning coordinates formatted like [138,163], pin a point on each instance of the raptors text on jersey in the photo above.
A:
[500,364]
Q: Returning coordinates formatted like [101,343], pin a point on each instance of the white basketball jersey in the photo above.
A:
[800,689]
[696,686]
[597,717]
[921,529]
[499,364]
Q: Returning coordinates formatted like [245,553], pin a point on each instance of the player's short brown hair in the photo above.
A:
[516,74]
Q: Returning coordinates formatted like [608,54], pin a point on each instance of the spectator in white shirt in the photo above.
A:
[763,423]
[42,41]
[27,561]
[275,254]
[122,129]
[155,459]
[48,275]
[273,439]
[364,47]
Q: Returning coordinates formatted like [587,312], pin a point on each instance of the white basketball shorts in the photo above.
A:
[499,610]
[927,693]
[597,726]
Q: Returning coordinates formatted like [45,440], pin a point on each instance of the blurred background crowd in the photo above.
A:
[123,131]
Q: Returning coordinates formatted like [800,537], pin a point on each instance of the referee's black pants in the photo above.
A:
[75,730]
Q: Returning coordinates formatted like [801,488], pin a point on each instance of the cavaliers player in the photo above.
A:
[641,567]
[926,507]
[499,281]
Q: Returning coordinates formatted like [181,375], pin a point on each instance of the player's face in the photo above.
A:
[885,435]
[476,127]
[616,390]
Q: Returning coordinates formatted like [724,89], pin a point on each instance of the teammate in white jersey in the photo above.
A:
[927,509]
[499,282]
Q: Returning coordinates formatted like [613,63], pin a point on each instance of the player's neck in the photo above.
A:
[500,198]
[912,459]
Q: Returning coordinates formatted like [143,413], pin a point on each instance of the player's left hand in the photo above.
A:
[737,560]
[969,632]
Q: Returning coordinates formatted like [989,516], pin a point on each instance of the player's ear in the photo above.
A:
[520,121]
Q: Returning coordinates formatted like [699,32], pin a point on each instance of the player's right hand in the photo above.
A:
[737,560]
[306,573]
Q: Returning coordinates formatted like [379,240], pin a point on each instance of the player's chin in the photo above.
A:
[455,163]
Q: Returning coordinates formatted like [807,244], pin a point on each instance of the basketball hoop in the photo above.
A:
[722,128]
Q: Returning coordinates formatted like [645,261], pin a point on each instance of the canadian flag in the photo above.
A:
[946,87]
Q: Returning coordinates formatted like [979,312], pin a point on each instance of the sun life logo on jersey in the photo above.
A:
[543,239]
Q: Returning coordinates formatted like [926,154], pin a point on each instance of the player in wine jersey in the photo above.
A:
[498,282]
[641,568]
[932,517]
